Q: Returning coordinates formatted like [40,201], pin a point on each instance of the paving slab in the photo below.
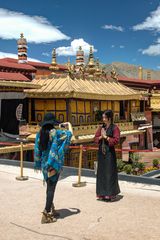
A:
[135,216]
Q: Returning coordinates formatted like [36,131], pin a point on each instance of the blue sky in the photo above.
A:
[119,30]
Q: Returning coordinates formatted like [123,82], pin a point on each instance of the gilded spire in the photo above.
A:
[54,66]
[80,57]
[98,70]
[22,49]
[140,72]
[22,35]
[91,68]
[97,63]
[54,60]
[91,57]
[114,75]
[68,64]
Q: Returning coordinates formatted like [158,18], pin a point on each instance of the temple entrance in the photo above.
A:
[12,110]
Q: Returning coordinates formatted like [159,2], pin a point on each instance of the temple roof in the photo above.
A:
[18,84]
[138,81]
[13,77]
[35,64]
[65,86]
[10,64]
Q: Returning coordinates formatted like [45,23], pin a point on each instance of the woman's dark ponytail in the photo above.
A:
[44,136]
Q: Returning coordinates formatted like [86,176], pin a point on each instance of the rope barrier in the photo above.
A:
[117,150]
[85,148]
[81,148]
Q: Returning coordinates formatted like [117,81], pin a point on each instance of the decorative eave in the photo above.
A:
[18,84]
[82,96]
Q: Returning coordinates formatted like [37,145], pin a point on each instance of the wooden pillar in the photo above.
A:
[45,107]
[68,110]
[29,111]
[130,110]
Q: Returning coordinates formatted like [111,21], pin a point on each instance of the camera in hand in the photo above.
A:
[62,125]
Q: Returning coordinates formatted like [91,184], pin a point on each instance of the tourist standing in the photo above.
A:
[50,147]
[107,136]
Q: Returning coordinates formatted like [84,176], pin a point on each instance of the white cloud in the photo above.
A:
[115,28]
[152,50]
[121,46]
[71,50]
[46,54]
[150,23]
[37,29]
[13,55]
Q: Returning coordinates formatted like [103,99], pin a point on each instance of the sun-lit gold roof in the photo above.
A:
[18,84]
[68,87]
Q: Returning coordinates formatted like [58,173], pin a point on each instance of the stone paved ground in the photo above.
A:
[136,216]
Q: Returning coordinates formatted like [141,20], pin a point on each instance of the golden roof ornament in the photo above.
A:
[79,57]
[98,70]
[68,64]
[71,70]
[90,68]
[91,57]
[140,72]
[22,40]
[54,61]
[22,35]
[22,49]
[114,75]
[54,66]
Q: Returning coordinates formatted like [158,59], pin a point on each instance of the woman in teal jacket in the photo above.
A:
[50,148]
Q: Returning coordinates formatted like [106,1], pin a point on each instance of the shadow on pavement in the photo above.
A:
[118,198]
[68,212]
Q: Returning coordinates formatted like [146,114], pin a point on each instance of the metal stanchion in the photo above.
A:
[21,177]
[79,183]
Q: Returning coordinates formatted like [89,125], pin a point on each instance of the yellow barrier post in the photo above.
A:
[79,183]
[21,177]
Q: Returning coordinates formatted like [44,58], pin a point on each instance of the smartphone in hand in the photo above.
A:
[64,125]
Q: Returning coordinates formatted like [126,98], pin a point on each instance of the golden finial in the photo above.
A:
[54,61]
[98,69]
[54,66]
[91,57]
[140,72]
[68,63]
[22,35]
[114,75]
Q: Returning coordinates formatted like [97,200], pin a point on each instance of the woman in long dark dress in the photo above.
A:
[107,136]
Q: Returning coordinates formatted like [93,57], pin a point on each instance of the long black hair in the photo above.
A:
[44,136]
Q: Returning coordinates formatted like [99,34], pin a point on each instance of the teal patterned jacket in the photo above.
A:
[53,156]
